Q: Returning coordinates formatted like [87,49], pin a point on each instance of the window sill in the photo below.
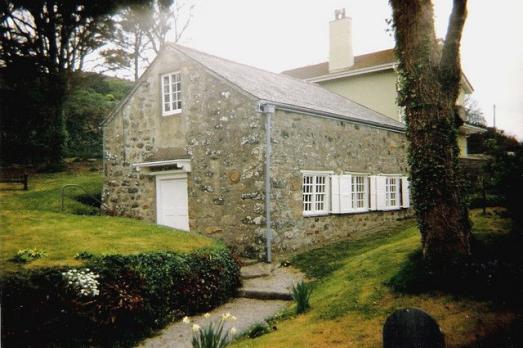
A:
[352,212]
[359,211]
[391,208]
[170,113]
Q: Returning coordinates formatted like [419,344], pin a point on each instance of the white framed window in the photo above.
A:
[171,93]
[316,193]
[392,192]
[350,193]
[360,192]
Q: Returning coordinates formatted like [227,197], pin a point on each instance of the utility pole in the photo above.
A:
[494,114]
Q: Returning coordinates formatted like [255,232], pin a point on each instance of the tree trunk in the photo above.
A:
[429,85]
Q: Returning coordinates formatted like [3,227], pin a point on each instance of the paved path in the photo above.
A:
[247,311]
[265,292]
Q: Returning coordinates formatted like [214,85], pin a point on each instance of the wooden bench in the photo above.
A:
[15,176]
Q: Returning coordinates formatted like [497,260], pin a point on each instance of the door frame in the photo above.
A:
[168,176]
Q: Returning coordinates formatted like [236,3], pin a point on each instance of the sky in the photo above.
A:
[276,35]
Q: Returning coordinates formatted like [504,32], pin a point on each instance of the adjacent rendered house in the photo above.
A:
[267,162]
[369,79]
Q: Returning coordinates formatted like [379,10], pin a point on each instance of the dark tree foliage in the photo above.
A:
[41,43]
[91,99]
[32,127]
[430,75]
[493,138]
[504,171]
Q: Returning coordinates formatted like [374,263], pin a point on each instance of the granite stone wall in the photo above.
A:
[303,142]
[218,129]
[223,136]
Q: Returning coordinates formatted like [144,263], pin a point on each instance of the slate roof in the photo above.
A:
[360,62]
[287,90]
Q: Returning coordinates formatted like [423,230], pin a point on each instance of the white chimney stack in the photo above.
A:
[340,42]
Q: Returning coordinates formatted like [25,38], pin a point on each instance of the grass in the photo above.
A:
[32,219]
[44,193]
[352,296]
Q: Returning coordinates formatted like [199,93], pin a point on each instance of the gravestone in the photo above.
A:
[412,328]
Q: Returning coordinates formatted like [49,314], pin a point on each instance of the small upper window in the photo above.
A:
[171,94]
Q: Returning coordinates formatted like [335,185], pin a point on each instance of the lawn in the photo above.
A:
[352,298]
[33,219]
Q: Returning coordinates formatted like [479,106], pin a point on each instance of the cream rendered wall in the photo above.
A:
[462,145]
[461,97]
[378,91]
[375,90]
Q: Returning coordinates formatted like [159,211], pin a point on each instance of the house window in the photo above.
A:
[315,194]
[359,192]
[171,94]
[392,199]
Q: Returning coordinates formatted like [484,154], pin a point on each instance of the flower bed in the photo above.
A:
[113,300]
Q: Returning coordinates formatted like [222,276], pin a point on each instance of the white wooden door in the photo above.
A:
[172,204]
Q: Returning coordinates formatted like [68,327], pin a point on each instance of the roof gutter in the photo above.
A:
[326,114]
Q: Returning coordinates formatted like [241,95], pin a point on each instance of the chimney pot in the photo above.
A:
[339,13]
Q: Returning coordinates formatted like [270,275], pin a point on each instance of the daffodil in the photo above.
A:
[233,331]
[196,327]
[186,320]
[206,315]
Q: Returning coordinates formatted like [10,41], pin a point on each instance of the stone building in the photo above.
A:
[209,145]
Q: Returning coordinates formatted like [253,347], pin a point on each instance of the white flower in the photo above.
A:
[233,331]
[186,320]
[83,282]
[196,327]
[226,316]
[207,315]
[233,318]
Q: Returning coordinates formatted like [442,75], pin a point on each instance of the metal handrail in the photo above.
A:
[62,191]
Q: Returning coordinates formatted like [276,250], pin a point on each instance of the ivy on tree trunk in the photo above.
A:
[429,85]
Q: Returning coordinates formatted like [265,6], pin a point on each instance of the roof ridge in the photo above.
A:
[221,58]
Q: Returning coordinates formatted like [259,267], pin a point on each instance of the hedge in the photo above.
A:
[134,296]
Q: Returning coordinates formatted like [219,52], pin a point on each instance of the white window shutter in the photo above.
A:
[335,194]
[405,192]
[345,193]
[372,192]
[380,192]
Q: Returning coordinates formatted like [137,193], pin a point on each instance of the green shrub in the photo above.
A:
[136,294]
[301,294]
[258,329]
[28,255]
[84,255]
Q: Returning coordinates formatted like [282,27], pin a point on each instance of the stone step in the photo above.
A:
[248,262]
[264,294]
[257,270]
